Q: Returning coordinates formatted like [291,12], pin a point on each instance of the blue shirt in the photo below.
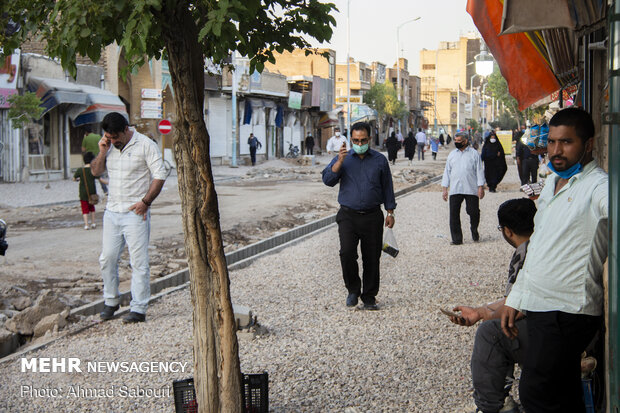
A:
[364,183]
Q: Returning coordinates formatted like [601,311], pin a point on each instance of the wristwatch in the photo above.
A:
[391,214]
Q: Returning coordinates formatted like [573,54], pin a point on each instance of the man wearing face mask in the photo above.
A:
[365,183]
[464,175]
[561,283]
[335,142]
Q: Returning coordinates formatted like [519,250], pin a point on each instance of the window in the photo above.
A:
[428,67]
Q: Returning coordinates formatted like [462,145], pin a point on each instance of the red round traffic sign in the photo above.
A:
[164,126]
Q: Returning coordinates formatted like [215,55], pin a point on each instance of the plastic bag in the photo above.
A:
[543,170]
[390,247]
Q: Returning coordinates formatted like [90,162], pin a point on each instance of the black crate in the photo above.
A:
[184,396]
[254,392]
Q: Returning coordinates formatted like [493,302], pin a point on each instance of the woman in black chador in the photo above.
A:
[494,160]
[410,143]
[392,146]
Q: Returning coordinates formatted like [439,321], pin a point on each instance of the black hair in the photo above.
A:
[88,157]
[114,122]
[87,128]
[419,129]
[576,118]
[518,135]
[518,215]
[361,126]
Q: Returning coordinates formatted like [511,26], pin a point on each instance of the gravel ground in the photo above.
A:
[320,356]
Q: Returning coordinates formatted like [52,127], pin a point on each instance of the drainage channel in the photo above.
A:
[235,259]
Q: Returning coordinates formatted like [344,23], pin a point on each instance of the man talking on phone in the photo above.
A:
[137,174]
[365,183]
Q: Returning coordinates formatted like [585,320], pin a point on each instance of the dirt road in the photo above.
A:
[49,249]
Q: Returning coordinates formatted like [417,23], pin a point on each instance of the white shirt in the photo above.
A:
[563,269]
[131,171]
[420,137]
[335,143]
[463,173]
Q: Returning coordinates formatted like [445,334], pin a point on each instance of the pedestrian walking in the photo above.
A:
[137,175]
[309,144]
[392,146]
[335,142]
[86,189]
[442,141]
[494,161]
[495,355]
[410,145]
[434,145]
[464,175]
[365,183]
[90,143]
[448,139]
[561,283]
[420,137]
[254,145]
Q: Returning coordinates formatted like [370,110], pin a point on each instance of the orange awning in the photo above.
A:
[520,59]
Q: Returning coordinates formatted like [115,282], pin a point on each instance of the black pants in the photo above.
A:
[367,228]
[253,155]
[551,376]
[472,209]
[529,171]
[309,150]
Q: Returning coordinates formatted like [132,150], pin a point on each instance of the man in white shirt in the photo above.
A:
[561,283]
[137,174]
[420,137]
[335,142]
[464,175]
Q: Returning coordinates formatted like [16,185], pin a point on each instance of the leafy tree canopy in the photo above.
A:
[498,88]
[383,98]
[24,109]
[255,28]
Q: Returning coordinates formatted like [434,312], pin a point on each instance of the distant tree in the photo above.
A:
[383,98]
[24,109]
[185,33]
[505,121]
[474,125]
[498,88]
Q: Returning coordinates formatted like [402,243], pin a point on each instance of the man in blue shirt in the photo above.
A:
[365,183]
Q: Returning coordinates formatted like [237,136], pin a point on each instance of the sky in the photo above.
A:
[373,29]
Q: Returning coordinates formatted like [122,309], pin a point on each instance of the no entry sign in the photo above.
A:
[164,126]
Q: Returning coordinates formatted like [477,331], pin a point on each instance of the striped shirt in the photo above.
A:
[563,270]
[131,171]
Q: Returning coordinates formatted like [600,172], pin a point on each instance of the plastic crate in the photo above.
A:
[184,396]
[254,392]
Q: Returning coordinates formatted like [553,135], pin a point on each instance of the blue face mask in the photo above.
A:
[568,173]
[360,149]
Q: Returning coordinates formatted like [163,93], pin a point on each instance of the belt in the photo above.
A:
[361,211]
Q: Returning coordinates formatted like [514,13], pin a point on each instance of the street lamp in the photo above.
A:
[398,58]
[348,82]
[484,68]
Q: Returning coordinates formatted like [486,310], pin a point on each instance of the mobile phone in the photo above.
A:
[450,313]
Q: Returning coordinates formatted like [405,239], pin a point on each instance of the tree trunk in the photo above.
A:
[216,360]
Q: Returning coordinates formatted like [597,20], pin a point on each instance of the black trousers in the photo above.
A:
[551,376]
[309,150]
[354,228]
[529,171]
[253,155]
[472,209]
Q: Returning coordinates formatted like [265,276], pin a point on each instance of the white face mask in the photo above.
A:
[493,140]
[337,133]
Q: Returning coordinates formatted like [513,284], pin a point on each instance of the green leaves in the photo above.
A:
[24,109]
[383,98]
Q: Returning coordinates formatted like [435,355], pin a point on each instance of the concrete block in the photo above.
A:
[243,315]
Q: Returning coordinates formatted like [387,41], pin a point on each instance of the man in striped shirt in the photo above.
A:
[137,174]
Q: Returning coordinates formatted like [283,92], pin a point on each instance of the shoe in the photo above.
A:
[475,237]
[134,317]
[352,300]
[93,225]
[371,306]
[456,243]
[509,406]
[86,227]
[108,312]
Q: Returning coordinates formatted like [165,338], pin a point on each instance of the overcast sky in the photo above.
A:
[373,28]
